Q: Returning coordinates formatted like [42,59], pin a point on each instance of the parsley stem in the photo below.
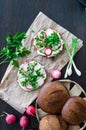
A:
[1,56]
[4,61]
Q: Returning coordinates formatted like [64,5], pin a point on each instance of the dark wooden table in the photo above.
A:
[17,16]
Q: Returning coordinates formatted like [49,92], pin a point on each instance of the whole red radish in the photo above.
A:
[24,121]
[31,110]
[10,119]
[56,74]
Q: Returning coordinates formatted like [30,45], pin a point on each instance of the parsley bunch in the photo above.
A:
[13,49]
[71,56]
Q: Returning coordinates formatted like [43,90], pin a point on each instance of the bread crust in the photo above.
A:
[52,97]
[74,111]
[52,122]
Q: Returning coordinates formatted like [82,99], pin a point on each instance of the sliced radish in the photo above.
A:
[43,72]
[49,32]
[21,79]
[45,35]
[40,81]
[38,66]
[48,51]
[25,67]
[29,87]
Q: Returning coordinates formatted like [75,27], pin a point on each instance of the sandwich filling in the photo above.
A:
[31,75]
[48,42]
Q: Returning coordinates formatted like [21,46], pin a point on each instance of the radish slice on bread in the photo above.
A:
[48,51]
[31,75]
[48,42]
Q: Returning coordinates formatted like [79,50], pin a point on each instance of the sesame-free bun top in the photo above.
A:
[74,111]
[52,97]
[52,122]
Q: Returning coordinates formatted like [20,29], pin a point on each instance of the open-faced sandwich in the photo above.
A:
[48,42]
[31,75]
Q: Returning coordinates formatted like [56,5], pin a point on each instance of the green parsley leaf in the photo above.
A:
[15,63]
[14,49]
[32,31]
[52,40]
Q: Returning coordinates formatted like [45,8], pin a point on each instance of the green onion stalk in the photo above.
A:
[71,55]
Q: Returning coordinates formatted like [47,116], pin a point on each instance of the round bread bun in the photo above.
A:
[34,69]
[52,122]
[52,97]
[74,111]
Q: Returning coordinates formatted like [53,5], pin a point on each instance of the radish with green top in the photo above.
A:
[10,118]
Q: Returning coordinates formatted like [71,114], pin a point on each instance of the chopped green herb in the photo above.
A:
[37,39]
[38,73]
[24,83]
[52,40]
[32,31]
[39,44]
[41,36]
[31,76]
[15,63]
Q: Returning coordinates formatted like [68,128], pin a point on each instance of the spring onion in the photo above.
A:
[71,56]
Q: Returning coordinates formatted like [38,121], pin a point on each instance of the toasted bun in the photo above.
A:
[52,122]
[74,111]
[52,97]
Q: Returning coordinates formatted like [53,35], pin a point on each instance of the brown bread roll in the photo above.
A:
[52,122]
[74,111]
[52,97]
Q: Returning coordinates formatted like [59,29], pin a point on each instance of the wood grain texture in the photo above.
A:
[17,16]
